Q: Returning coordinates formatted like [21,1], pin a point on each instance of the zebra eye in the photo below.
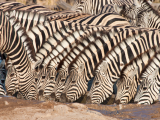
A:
[96,83]
[51,78]
[126,88]
[63,80]
[36,79]
[43,77]
[36,69]
[144,88]
[102,73]
[11,75]
[73,81]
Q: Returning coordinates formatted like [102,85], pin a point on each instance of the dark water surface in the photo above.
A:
[129,111]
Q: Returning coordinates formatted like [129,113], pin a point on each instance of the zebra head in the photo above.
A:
[127,85]
[129,11]
[143,19]
[149,88]
[41,76]
[60,82]
[49,89]
[102,86]
[12,79]
[76,85]
[2,78]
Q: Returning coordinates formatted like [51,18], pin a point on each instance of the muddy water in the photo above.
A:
[129,111]
[125,112]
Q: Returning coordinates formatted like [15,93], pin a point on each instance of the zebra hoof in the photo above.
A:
[88,100]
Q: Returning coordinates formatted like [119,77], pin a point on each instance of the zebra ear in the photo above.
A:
[13,13]
[137,3]
[153,74]
[117,8]
[150,1]
[36,64]
[2,64]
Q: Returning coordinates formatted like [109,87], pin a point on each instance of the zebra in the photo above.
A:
[148,91]
[133,10]
[148,18]
[93,7]
[108,71]
[81,68]
[48,83]
[13,46]
[11,81]
[129,79]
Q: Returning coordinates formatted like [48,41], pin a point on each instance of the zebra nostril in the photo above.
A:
[41,93]
[36,79]
[138,25]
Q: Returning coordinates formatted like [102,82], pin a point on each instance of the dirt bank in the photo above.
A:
[16,109]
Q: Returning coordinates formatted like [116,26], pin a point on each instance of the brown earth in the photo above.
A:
[16,109]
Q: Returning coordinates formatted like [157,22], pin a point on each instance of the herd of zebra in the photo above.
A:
[53,55]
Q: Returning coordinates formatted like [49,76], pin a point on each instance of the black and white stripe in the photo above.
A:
[150,76]
[129,79]
[13,44]
[108,72]
[82,67]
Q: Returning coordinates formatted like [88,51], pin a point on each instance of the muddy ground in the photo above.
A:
[17,109]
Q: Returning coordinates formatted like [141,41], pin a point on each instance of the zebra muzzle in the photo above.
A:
[63,98]
[88,100]
[117,101]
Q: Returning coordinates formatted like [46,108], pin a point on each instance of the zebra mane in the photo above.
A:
[94,35]
[96,67]
[149,62]
[82,37]
[74,61]
[65,49]
[62,61]
[124,68]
